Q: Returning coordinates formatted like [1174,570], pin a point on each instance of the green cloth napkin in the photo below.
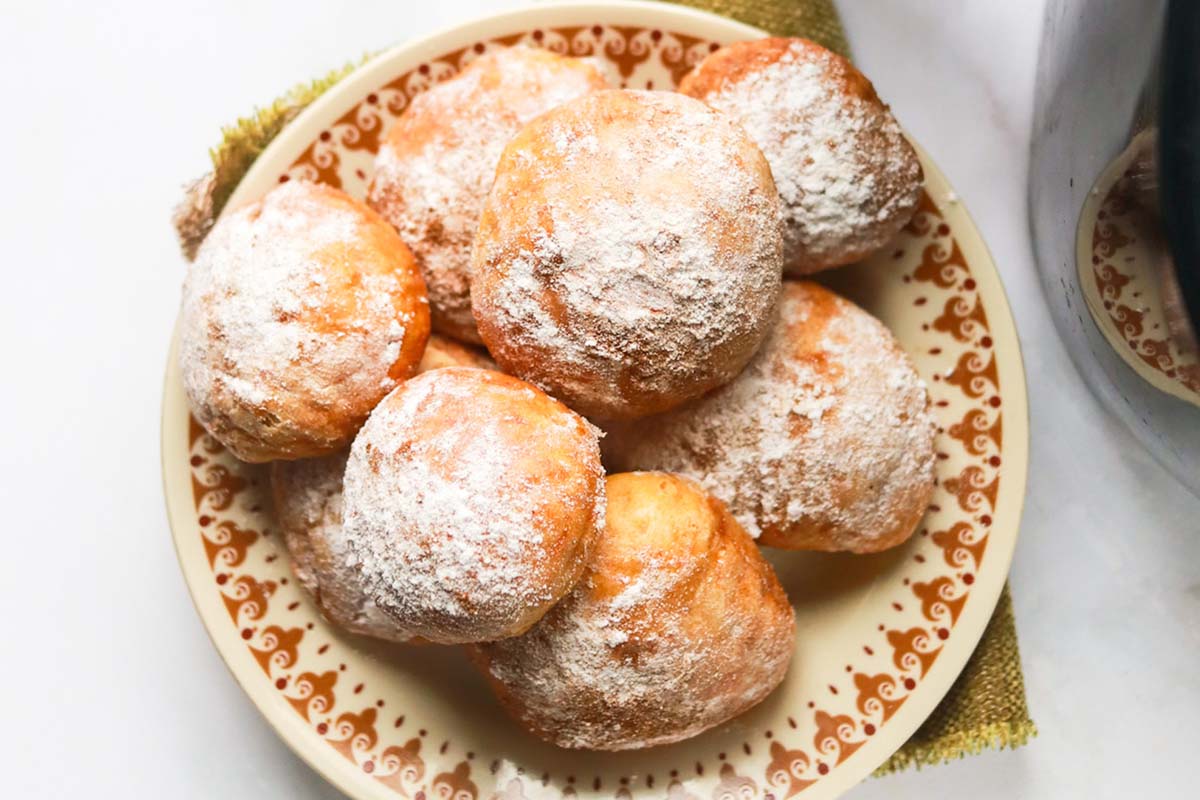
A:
[985,708]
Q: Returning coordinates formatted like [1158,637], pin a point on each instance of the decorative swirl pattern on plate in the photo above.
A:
[787,771]
[278,648]
[1124,275]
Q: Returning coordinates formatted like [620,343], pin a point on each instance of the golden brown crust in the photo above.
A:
[628,256]
[824,442]
[436,163]
[471,502]
[848,178]
[301,311]
[443,352]
[678,625]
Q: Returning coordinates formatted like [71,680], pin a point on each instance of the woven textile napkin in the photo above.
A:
[985,708]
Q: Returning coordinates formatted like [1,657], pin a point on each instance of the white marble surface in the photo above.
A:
[110,687]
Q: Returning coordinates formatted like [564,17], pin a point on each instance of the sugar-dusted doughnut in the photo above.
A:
[435,166]
[301,311]
[308,505]
[628,256]
[847,177]
[678,625]
[824,442]
[472,500]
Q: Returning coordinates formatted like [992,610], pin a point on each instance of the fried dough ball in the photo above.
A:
[301,311]
[824,442]
[628,257]
[308,504]
[679,625]
[847,177]
[472,500]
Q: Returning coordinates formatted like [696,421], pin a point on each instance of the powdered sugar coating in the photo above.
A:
[308,503]
[824,442]
[436,165]
[847,177]
[471,502]
[678,625]
[301,311]
[628,257]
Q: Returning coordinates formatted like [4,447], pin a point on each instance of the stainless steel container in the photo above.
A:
[1115,209]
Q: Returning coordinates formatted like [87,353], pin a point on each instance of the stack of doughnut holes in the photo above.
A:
[542,263]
